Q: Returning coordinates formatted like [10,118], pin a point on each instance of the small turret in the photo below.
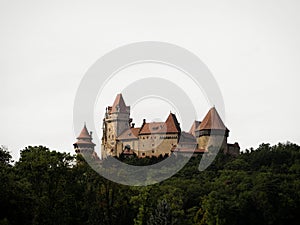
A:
[84,142]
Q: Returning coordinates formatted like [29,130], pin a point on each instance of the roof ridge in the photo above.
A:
[119,105]
[212,121]
[172,124]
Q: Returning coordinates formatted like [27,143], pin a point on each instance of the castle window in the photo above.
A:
[112,136]
[152,151]
[143,154]
[108,129]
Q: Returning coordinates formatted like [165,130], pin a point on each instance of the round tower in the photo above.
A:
[84,142]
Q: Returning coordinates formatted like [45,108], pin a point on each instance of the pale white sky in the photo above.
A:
[251,47]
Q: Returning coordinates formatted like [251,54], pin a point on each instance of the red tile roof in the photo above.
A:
[84,142]
[131,133]
[119,105]
[212,121]
[153,128]
[171,124]
[84,133]
[84,137]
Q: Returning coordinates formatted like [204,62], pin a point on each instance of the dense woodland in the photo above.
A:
[260,186]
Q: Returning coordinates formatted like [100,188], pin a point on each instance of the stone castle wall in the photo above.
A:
[204,142]
[156,144]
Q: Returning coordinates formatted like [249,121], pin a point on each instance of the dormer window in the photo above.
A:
[155,128]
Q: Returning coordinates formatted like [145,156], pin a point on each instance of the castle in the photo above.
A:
[120,136]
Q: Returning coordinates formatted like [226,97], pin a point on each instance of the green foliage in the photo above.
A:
[260,186]
[162,215]
[5,157]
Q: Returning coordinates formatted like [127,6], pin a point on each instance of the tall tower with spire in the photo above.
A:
[116,120]
[84,144]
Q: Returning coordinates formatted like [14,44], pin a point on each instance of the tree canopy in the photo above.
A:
[260,186]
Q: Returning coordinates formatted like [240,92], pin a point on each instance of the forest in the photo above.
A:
[47,187]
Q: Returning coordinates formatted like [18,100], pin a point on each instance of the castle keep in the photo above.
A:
[120,136]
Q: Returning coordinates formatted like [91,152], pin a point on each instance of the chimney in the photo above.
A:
[144,121]
[132,125]
[91,133]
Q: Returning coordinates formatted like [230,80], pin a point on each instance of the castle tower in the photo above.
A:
[116,121]
[195,125]
[212,131]
[84,144]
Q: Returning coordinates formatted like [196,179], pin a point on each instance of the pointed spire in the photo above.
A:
[84,132]
[212,121]
[84,137]
[119,105]
[172,124]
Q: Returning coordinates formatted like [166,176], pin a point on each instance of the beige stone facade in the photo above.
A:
[160,138]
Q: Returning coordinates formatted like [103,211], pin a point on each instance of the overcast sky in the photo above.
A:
[251,47]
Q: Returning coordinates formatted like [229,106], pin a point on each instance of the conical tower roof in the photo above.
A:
[119,105]
[212,121]
[84,133]
[84,137]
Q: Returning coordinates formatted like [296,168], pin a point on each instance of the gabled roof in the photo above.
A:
[194,126]
[153,128]
[131,133]
[119,105]
[171,124]
[212,121]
